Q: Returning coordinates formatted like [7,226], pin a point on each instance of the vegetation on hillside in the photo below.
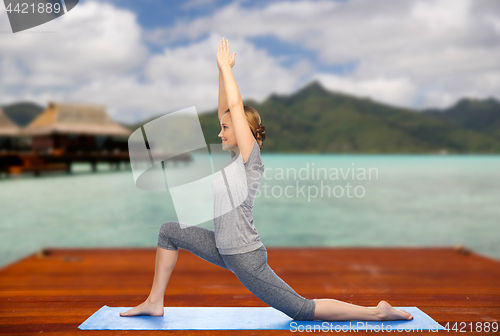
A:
[314,120]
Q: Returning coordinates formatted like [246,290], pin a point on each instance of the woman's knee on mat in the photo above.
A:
[167,230]
[306,313]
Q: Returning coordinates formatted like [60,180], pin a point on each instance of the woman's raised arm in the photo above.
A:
[242,131]
[222,97]
[222,91]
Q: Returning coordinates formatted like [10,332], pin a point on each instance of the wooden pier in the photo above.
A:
[55,290]
[14,163]
[30,162]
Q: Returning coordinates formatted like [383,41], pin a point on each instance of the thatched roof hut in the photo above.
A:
[7,126]
[74,118]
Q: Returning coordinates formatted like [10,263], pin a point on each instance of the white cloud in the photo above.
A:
[187,76]
[91,43]
[96,55]
[428,45]
[395,91]
[442,15]
[430,52]
[90,40]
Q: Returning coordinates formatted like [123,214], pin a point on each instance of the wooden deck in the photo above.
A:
[54,291]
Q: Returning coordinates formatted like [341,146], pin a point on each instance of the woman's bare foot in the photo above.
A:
[145,308]
[387,313]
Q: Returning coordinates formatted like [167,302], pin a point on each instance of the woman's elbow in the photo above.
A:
[233,103]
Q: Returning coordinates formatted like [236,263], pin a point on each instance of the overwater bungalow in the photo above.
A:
[65,133]
[62,134]
[75,128]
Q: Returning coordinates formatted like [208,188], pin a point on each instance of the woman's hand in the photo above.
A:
[223,55]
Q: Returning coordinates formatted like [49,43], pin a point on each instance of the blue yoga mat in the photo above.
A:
[242,318]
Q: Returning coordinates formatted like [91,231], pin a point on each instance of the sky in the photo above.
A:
[151,57]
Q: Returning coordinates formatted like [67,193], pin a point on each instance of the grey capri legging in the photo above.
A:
[250,268]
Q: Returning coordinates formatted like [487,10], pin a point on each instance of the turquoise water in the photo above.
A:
[408,200]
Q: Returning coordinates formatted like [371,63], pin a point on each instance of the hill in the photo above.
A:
[314,120]
[22,113]
[477,115]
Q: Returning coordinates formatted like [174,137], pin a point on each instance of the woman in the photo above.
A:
[235,244]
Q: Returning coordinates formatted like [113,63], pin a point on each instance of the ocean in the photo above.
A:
[308,200]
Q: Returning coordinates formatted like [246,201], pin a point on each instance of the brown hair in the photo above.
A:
[255,123]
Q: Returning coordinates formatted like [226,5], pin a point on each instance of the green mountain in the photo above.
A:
[22,113]
[477,115]
[314,120]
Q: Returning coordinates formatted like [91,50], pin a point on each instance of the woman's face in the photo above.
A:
[227,132]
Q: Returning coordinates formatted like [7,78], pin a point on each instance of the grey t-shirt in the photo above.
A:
[234,189]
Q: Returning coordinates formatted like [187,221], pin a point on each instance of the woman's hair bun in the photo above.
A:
[261,133]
